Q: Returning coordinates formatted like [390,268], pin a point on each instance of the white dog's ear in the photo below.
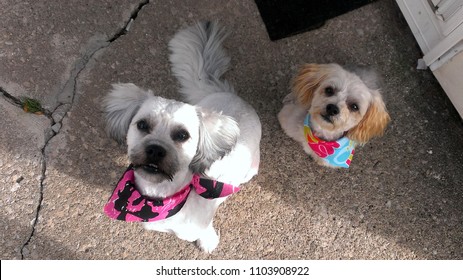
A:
[218,135]
[120,106]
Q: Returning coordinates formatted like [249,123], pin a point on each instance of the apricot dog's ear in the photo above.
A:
[373,124]
[308,80]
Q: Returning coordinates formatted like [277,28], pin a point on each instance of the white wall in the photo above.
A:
[450,76]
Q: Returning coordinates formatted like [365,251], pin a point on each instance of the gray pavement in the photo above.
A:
[402,198]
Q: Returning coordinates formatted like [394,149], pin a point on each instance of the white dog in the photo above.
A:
[185,158]
[331,109]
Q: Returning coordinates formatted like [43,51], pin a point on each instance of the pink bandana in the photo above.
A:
[128,204]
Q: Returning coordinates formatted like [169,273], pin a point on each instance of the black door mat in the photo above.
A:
[284,18]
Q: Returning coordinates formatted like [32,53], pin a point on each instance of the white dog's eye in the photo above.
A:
[329,91]
[142,125]
[180,135]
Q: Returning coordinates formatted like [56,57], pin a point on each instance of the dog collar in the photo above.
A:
[337,153]
[128,204]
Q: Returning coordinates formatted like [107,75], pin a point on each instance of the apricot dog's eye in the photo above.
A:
[354,107]
[329,91]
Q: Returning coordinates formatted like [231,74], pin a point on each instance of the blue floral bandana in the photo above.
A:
[337,153]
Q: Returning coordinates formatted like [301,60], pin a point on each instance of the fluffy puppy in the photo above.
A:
[174,147]
[331,109]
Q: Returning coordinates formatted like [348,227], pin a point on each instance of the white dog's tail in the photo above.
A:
[198,60]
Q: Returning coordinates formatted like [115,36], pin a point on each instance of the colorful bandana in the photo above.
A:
[128,204]
[337,153]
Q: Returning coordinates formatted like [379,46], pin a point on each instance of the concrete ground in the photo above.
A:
[402,198]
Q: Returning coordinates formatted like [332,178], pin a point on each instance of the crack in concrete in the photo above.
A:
[19,103]
[65,105]
[10,98]
[128,24]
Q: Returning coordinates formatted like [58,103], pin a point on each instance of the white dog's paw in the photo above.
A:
[209,241]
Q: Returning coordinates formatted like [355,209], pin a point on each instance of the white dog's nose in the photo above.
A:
[155,153]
